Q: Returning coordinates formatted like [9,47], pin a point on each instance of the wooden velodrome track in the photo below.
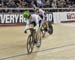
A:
[59,46]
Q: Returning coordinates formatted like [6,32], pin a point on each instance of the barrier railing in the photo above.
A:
[50,9]
[56,15]
[32,8]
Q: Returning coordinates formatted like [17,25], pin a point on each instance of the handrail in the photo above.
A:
[33,8]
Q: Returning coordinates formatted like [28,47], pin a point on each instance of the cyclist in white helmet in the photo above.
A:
[42,14]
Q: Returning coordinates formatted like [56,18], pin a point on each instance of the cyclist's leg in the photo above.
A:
[47,25]
[38,34]
[34,24]
[43,18]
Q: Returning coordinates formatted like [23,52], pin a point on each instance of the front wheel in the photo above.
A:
[30,44]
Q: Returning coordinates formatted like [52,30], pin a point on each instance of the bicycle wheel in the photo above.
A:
[50,28]
[30,44]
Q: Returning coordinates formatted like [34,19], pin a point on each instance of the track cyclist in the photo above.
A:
[32,19]
[42,14]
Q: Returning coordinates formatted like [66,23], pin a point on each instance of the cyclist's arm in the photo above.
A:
[27,25]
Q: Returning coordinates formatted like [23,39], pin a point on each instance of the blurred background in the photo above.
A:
[53,8]
[37,3]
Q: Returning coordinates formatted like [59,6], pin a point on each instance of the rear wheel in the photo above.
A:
[50,28]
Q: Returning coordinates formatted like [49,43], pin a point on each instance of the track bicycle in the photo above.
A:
[33,39]
[44,28]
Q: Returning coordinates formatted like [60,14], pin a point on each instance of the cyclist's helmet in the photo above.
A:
[26,14]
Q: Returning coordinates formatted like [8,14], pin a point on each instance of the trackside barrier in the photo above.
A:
[61,17]
[56,15]
[16,18]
